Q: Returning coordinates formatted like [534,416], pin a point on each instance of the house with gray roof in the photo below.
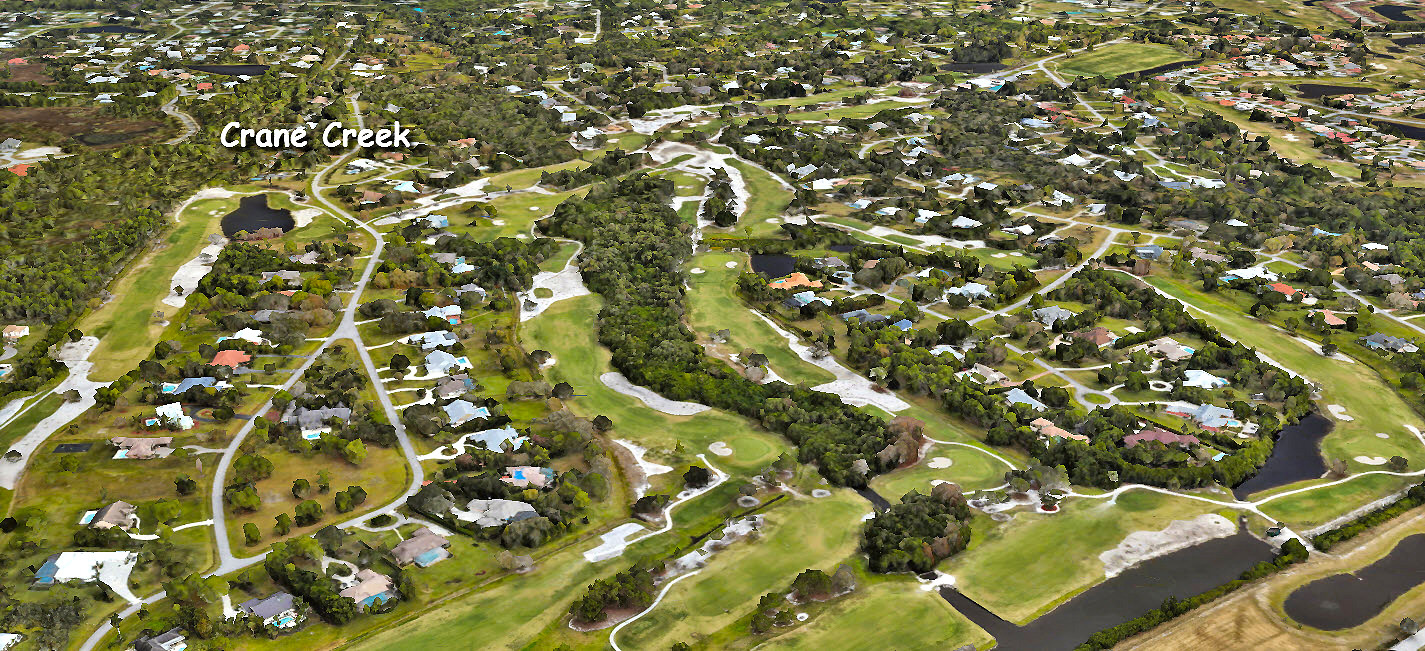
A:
[1051,314]
[278,610]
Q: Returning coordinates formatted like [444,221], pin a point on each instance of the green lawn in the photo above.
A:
[1120,58]
[858,621]
[1312,508]
[768,200]
[713,305]
[970,469]
[1022,568]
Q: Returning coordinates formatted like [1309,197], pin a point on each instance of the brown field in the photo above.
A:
[87,125]
[29,72]
[1252,618]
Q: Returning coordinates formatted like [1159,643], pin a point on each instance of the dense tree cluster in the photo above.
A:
[919,532]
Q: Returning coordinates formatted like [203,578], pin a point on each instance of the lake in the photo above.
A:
[1166,67]
[1296,457]
[1181,574]
[253,213]
[773,265]
[1312,91]
[1347,600]
[1394,12]
[248,69]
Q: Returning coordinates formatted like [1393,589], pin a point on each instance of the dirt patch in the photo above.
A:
[86,125]
[1140,546]
[24,72]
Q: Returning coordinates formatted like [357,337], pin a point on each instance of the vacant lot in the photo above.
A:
[87,125]
[1120,59]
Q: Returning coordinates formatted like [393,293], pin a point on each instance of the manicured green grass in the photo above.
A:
[567,331]
[714,305]
[21,426]
[1315,507]
[768,200]
[1021,568]
[858,621]
[125,325]
[1120,58]
[970,469]
[812,533]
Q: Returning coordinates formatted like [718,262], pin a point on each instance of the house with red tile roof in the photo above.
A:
[20,170]
[230,358]
[1283,289]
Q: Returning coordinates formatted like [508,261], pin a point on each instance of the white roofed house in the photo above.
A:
[448,313]
[444,363]
[171,415]
[431,340]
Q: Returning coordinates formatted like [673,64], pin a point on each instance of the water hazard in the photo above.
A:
[1347,600]
[253,213]
[1296,457]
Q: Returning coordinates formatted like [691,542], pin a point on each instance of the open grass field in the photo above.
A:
[1315,507]
[714,305]
[1022,568]
[1119,59]
[858,621]
[125,326]
[812,533]
[768,200]
[970,469]
[565,330]
[1372,404]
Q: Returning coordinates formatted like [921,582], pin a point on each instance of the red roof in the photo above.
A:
[1283,288]
[20,169]
[230,358]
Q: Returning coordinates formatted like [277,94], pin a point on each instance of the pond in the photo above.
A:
[1395,12]
[843,248]
[1313,91]
[1296,457]
[1407,130]
[773,266]
[1166,67]
[1347,600]
[250,69]
[1181,574]
[1410,40]
[253,213]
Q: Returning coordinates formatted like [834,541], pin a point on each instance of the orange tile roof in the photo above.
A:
[230,358]
[796,279]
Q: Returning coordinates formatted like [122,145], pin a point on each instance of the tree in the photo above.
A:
[251,533]
[284,524]
[250,468]
[308,513]
[324,481]
[185,485]
[354,452]
[697,477]
[301,488]
[1329,349]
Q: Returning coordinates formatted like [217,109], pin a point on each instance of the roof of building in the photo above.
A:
[272,606]
[422,541]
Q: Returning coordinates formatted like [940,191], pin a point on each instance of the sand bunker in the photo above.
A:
[616,381]
[190,272]
[720,449]
[697,270]
[1339,412]
[731,264]
[1372,461]
[565,283]
[1382,435]
[939,462]
[1140,546]
[648,468]
[305,216]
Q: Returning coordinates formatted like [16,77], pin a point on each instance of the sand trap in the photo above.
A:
[616,381]
[851,387]
[820,492]
[1140,546]
[731,264]
[939,462]
[1372,461]
[1339,412]
[937,581]
[75,355]
[565,283]
[305,216]
[720,449]
[1382,435]
[648,468]
[613,542]
[190,272]
[801,617]
[697,270]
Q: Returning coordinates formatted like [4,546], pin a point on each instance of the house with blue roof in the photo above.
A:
[1018,396]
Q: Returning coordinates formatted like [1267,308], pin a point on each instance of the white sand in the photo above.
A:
[648,468]
[75,356]
[616,381]
[1339,412]
[1382,435]
[939,462]
[853,388]
[1140,546]
[731,264]
[820,493]
[613,542]
[305,216]
[565,283]
[1372,461]
[189,273]
[697,270]
[720,449]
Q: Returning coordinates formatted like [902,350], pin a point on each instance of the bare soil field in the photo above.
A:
[86,125]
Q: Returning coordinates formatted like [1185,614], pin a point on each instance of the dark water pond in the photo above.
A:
[976,68]
[1348,600]
[1407,130]
[1394,12]
[251,69]
[1311,91]
[253,213]
[842,248]
[1410,40]
[1296,457]
[1130,594]
[773,265]
[1157,70]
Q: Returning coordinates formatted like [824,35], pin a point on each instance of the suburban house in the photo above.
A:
[1283,289]
[794,280]
[985,374]
[528,476]
[437,339]
[1049,430]
[1380,341]
[288,278]
[83,566]
[864,316]
[1148,251]
[449,313]
[1099,336]
[1160,435]
[1202,379]
[277,610]
[494,440]
[315,421]
[462,411]
[1051,314]
[173,640]
[369,588]
[424,548]
[1331,319]
[493,513]
[118,514]
[1169,349]
[972,291]
[1208,416]
[1018,396]
[442,362]
[15,333]
[454,385]
[142,448]
[171,415]
[183,386]
[230,358]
